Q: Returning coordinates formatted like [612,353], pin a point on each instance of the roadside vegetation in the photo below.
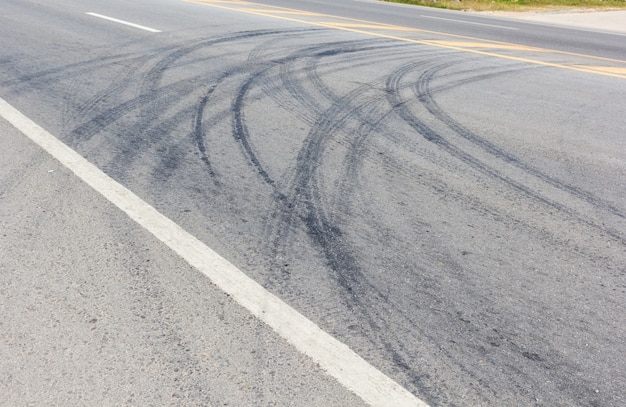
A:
[518,5]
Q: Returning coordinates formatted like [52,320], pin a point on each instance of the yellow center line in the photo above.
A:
[465,44]
[360,25]
[226,1]
[292,12]
[275,12]
[391,27]
[611,69]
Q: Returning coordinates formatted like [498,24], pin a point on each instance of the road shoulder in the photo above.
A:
[613,21]
[96,311]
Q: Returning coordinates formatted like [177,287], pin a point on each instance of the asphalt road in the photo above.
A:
[446,198]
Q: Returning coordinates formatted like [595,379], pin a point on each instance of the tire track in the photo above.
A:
[302,203]
[153,99]
[198,130]
[307,207]
[424,94]
[37,79]
[202,124]
[306,202]
[400,104]
[240,130]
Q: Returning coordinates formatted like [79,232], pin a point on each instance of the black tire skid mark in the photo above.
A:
[203,101]
[119,84]
[424,94]
[307,101]
[104,119]
[42,78]
[300,205]
[304,105]
[200,125]
[321,227]
[305,206]
[309,104]
[148,138]
[445,352]
[198,130]
[399,103]
[283,89]
[129,77]
[436,185]
[267,81]
[392,49]
[309,108]
[373,118]
[371,121]
[156,72]
[153,76]
[555,358]
[272,88]
[329,94]
[240,130]
[516,349]
[398,359]
[297,100]
[376,317]
[258,53]
[152,99]
[300,187]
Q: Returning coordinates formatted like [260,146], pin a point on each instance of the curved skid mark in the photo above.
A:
[306,206]
[198,131]
[74,69]
[153,100]
[424,94]
[303,202]
[240,130]
[400,105]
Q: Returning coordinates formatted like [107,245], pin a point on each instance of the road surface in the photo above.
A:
[441,195]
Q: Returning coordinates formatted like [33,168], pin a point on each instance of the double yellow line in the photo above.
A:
[539,56]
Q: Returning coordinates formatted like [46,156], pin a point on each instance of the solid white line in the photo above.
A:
[334,357]
[141,27]
[470,22]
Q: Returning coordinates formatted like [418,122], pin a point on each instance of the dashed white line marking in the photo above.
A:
[336,358]
[141,27]
[470,22]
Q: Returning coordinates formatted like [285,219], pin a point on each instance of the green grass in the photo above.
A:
[517,5]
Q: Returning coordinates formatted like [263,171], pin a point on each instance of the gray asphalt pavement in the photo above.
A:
[96,311]
[450,207]
[557,32]
[610,21]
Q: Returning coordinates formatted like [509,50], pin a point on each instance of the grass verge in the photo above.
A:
[517,5]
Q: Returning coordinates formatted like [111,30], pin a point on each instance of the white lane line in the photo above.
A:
[336,358]
[470,22]
[141,27]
